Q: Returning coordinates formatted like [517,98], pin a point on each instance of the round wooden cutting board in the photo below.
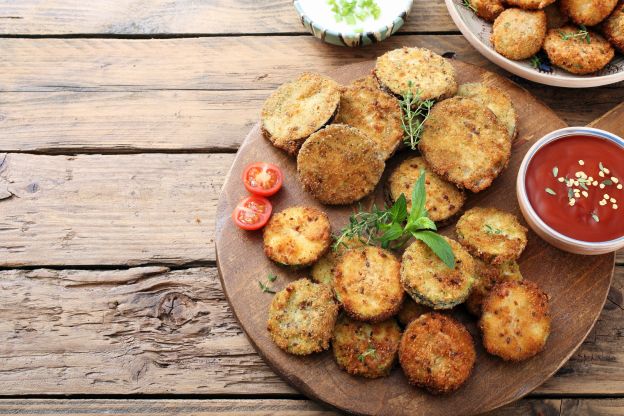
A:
[577,285]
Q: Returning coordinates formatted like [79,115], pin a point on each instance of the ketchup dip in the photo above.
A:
[574,184]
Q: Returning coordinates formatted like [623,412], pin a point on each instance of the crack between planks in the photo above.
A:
[116,267]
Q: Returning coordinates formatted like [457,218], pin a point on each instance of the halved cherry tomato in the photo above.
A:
[252,213]
[262,178]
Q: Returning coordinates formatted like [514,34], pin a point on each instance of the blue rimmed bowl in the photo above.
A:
[353,38]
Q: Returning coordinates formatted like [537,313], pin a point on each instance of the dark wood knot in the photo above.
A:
[175,309]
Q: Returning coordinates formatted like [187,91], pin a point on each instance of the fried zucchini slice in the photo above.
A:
[486,277]
[299,108]
[587,12]
[529,4]
[432,76]
[297,236]
[323,270]
[487,9]
[431,282]
[496,100]
[302,317]
[411,310]
[366,349]
[613,28]
[375,113]
[368,81]
[465,143]
[519,34]
[437,353]
[443,198]
[339,165]
[493,235]
[515,322]
[367,284]
[575,54]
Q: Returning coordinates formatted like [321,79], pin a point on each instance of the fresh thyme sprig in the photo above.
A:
[582,33]
[393,227]
[415,112]
[265,286]
[469,6]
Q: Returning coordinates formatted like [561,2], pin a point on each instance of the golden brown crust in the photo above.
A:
[587,12]
[299,108]
[516,320]
[431,75]
[297,236]
[323,270]
[488,9]
[302,317]
[411,310]
[519,34]
[613,27]
[365,349]
[486,277]
[339,165]
[575,55]
[432,283]
[496,100]
[367,284]
[493,235]
[529,4]
[443,201]
[437,353]
[367,81]
[375,113]
[465,143]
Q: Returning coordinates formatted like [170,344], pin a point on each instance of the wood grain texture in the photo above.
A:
[257,407]
[152,17]
[98,210]
[574,307]
[132,95]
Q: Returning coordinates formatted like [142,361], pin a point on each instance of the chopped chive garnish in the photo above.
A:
[550,191]
[555,171]
[570,193]
[595,217]
[600,166]
[607,182]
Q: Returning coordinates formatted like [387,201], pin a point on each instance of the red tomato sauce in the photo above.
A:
[590,217]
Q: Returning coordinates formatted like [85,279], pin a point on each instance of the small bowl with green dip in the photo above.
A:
[352,22]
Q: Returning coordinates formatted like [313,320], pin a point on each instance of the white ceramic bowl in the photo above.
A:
[552,236]
[477,31]
[351,38]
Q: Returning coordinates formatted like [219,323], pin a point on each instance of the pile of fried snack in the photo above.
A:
[579,36]
[372,304]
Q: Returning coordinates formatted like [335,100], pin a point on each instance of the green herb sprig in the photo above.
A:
[415,112]
[354,11]
[265,287]
[393,227]
[469,6]
[370,351]
[582,33]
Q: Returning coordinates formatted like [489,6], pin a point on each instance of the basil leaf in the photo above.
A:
[438,245]
[418,198]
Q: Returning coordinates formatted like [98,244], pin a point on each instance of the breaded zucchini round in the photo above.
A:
[486,277]
[465,143]
[411,310]
[365,349]
[299,108]
[487,9]
[302,317]
[368,285]
[443,198]
[339,165]
[515,322]
[574,54]
[431,282]
[493,235]
[323,270]
[437,353]
[375,113]
[519,34]
[368,81]
[297,236]
[496,100]
[587,12]
[529,4]
[431,75]
[613,28]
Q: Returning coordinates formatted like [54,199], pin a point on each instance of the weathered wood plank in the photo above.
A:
[251,407]
[147,330]
[151,17]
[97,210]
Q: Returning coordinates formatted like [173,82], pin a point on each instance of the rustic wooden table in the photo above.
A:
[118,123]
